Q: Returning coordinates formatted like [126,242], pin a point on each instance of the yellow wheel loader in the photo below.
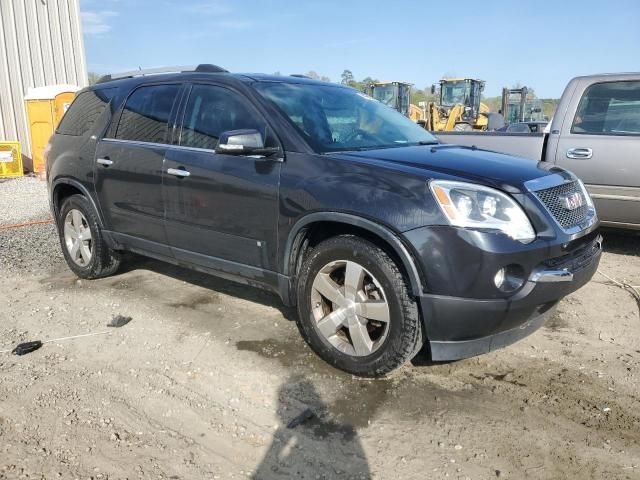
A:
[459,107]
[396,95]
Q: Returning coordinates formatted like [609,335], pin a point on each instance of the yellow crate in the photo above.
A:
[10,159]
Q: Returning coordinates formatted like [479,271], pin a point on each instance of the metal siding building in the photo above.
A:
[40,44]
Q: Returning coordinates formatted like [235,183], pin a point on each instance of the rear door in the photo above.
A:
[223,215]
[128,170]
[601,144]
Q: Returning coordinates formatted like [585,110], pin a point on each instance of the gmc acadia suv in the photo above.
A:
[383,238]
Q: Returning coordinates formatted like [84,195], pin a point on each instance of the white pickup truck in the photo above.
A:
[595,133]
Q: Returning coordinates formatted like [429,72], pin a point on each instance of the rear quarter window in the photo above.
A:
[609,108]
[84,111]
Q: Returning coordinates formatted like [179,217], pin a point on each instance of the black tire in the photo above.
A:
[404,336]
[104,261]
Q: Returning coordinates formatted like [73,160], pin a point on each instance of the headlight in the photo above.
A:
[469,205]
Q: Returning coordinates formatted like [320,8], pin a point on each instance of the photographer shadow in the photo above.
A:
[307,443]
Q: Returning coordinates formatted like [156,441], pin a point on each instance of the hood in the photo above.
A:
[479,166]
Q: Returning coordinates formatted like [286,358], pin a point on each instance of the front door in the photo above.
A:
[128,170]
[602,146]
[221,210]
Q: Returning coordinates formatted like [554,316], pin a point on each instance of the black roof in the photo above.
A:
[201,72]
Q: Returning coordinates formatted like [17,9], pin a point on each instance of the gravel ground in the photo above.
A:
[205,378]
[23,199]
[35,248]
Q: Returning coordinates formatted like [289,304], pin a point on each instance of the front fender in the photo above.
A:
[377,229]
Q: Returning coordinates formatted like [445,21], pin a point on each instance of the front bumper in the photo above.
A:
[461,326]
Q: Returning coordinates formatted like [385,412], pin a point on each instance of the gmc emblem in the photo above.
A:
[571,201]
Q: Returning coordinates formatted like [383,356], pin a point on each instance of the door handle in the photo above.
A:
[580,153]
[178,172]
[105,161]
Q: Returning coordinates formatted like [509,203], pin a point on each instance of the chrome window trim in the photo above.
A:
[136,142]
[153,144]
[179,147]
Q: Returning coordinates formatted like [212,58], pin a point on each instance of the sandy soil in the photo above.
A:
[204,379]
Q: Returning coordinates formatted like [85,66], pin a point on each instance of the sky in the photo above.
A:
[540,44]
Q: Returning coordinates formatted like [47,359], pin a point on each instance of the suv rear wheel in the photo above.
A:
[354,309]
[83,246]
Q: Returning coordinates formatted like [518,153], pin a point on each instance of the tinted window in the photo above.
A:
[333,118]
[518,128]
[145,117]
[213,110]
[611,108]
[84,111]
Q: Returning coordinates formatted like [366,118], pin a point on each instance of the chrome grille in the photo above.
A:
[551,198]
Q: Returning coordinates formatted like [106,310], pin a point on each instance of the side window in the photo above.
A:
[213,110]
[84,111]
[610,108]
[145,117]
[518,128]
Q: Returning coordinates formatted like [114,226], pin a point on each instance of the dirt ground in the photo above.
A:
[204,379]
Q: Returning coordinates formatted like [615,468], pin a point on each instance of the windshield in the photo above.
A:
[454,93]
[334,119]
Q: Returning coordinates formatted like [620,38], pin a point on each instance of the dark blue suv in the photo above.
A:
[385,239]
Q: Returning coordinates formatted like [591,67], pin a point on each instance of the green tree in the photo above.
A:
[494,103]
[93,77]
[364,84]
[423,95]
[347,77]
[317,76]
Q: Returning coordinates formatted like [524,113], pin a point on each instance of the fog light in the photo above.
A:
[509,278]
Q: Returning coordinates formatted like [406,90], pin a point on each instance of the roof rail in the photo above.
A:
[299,75]
[203,67]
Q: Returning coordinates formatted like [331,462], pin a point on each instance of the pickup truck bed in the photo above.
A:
[527,145]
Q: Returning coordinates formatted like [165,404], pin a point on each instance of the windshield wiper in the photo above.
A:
[383,146]
[371,147]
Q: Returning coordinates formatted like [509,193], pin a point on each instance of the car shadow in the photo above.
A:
[210,282]
[622,242]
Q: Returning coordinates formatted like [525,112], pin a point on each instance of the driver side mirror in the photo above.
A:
[243,142]
[433,89]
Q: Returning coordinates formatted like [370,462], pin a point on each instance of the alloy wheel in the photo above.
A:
[350,308]
[77,237]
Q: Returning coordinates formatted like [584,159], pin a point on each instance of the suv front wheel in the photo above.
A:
[354,308]
[83,246]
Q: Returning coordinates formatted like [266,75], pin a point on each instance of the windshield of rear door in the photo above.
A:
[334,119]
